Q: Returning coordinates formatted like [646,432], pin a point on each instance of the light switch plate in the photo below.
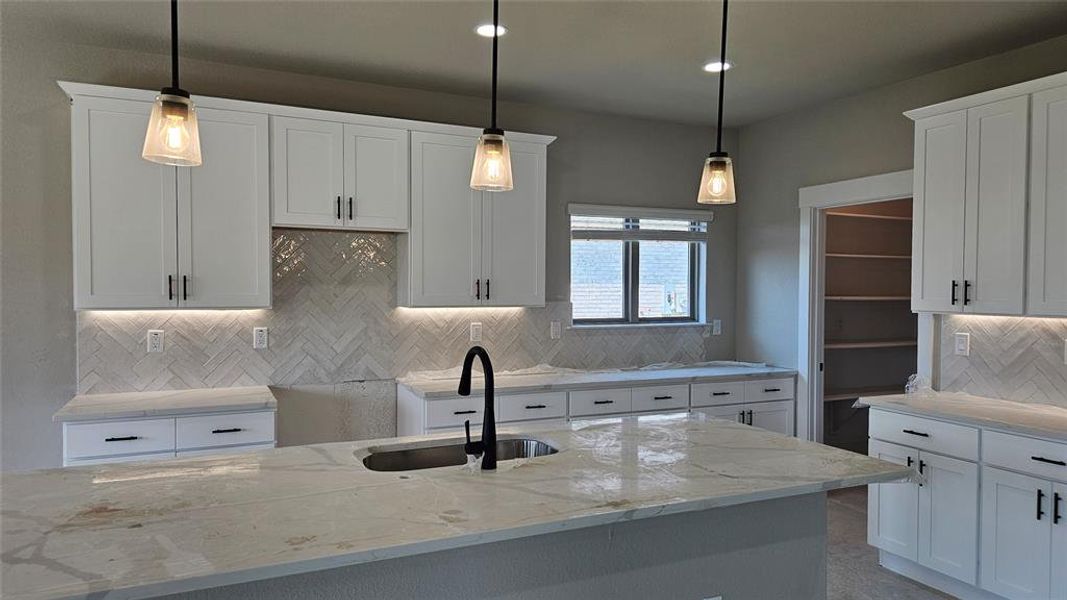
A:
[476,332]
[963,344]
[154,340]
[716,327]
[555,330]
[259,338]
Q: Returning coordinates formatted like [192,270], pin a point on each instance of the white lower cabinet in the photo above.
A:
[772,416]
[893,508]
[1058,554]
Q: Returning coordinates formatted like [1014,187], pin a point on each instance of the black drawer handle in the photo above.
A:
[1040,501]
[913,432]
[769,390]
[603,402]
[127,438]
[720,393]
[662,397]
[464,412]
[1058,463]
[230,430]
[1056,516]
[535,406]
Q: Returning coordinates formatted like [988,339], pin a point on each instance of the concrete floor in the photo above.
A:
[854,573]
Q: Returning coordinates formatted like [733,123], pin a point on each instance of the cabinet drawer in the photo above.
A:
[1037,457]
[225,429]
[116,438]
[926,434]
[524,407]
[600,402]
[769,389]
[452,412]
[718,393]
[660,397]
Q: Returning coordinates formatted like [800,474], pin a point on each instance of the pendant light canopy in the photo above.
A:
[492,158]
[173,137]
[717,181]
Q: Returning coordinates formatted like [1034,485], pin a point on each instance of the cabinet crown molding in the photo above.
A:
[1011,91]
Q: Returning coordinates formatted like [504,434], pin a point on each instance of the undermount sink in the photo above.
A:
[451,454]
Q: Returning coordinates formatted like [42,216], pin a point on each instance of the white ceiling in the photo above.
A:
[638,58]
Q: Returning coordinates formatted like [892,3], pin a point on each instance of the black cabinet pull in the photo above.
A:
[478,289]
[922,466]
[750,417]
[350,208]
[720,393]
[741,417]
[913,432]
[338,208]
[535,406]
[966,292]
[486,289]
[230,430]
[1056,497]
[185,287]
[1058,463]
[910,460]
[769,390]
[464,412]
[1040,501]
[662,397]
[127,438]
[170,287]
[603,402]
[955,286]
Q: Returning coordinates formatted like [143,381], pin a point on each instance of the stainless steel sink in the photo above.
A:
[429,457]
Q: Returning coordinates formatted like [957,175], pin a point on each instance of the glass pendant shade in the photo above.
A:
[492,163]
[173,136]
[717,182]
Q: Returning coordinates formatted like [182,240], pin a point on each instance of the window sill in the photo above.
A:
[677,325]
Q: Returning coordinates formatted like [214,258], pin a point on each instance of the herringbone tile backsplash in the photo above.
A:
[334,319]
[1013,358]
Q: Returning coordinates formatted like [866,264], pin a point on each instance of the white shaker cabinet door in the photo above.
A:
[124,211]
[446,223]
[995,262]
[376,178]
[1059,541]
[893,508]
[948,516]
[307,164]
[1047,291]
[734,412]
[938,209]
[772,416]
[513,249]
[224,215]
[1016,536]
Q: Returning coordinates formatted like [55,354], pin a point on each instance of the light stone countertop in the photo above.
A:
[129,405]
[136,530]
[1038,420]
[569,379]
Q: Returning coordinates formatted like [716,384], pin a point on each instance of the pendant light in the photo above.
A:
[492,158]
[717,182]
[173,137]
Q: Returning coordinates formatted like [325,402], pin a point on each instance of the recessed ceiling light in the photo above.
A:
[713,66]
[486,30]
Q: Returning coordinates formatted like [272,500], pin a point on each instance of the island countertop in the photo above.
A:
[138,530]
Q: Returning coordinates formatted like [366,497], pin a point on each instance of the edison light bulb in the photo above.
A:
[492,163]
[717,182]
[173,137]
[717,185]
[176,135]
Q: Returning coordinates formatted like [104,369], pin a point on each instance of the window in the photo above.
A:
[645,268]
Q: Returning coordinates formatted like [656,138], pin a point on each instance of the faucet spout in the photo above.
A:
[488,442]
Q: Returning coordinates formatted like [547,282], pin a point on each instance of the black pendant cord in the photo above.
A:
[722,77]
[496,37]
[174,44]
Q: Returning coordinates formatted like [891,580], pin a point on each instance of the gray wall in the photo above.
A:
[597,159]
[852,137]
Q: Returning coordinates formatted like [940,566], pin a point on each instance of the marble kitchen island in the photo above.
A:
[672,506]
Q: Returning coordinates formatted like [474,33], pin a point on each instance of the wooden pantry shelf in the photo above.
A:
[833,213]
[877,256]
[868,298]
[849,345]
[854,393]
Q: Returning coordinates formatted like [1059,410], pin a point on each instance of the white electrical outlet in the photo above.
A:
[476,332]
[555,330]
[259,338]
[963,344]
[155,340]
[716,327]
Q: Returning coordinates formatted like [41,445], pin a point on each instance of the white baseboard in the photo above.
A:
[934,579]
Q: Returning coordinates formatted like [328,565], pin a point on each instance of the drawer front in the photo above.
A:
[1037,457]
[660,397]
[116,438]
[599,402]
[769,389]
[225,429]
[525,407]
[950,439]
[718,393]
[452,412]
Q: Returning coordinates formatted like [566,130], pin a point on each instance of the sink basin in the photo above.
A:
[451,454]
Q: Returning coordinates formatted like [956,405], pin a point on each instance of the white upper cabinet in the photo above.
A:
[470,248]
[124,214]
[1047,289]
[308,172]
[224,215]
[339,175]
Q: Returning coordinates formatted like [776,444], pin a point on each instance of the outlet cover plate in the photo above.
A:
[476,332]
[963,344]
[154,340]
[260,338]
[555,330]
